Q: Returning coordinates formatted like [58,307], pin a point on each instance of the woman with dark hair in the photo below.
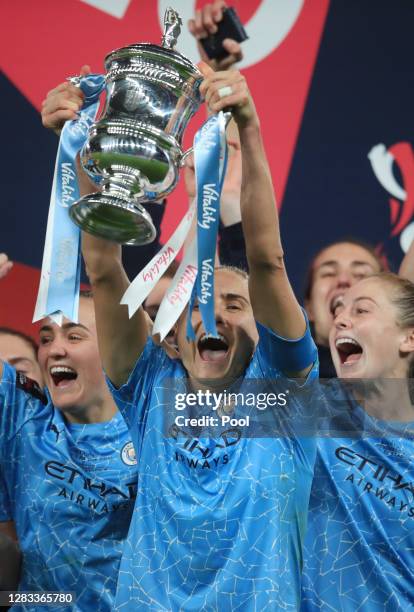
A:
[359,548]
[20,351]
[334,269]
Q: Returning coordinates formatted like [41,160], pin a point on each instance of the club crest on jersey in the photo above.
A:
[128,454]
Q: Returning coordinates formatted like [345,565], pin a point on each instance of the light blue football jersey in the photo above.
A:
[219,521]
[359,548]
[71,490]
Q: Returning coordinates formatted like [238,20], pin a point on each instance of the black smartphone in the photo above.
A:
[229,27]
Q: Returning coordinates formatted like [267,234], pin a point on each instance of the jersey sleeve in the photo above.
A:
[19,399]
[132,397]
[275,356]
[278,355]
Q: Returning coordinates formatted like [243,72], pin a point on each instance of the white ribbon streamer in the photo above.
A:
[146,280]
[178,293]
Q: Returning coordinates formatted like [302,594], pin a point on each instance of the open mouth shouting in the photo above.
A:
[62,376]
[213,349]
[349,351]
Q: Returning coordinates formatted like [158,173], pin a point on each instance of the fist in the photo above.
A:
[206,22]
[228,90]
[62,104]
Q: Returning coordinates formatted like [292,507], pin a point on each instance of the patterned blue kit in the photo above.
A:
[70,490]
[219,522]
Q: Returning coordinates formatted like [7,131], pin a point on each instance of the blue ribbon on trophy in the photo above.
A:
[58,294]
[210,160]
[210,156]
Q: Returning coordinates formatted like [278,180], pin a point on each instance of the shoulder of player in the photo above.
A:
[22,401]
[31,387]
[21,383]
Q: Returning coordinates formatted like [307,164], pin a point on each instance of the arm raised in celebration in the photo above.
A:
[274,303]
[121,339]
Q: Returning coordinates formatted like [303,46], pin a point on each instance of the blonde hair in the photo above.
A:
[402,298]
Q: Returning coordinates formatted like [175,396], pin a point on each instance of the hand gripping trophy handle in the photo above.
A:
[135,146]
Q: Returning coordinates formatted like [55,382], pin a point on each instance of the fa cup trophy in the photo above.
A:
[135,146]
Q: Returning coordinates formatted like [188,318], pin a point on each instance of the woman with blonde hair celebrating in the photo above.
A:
[359,550]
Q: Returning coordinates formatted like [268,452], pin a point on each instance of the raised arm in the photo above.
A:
[274,303]
[206,22]
[121,340]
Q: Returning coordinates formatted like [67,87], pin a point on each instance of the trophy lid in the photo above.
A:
[164,54]
[152,52]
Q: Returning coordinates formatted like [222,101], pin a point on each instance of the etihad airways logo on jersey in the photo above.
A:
[203,455]
[112,498]
[374,479]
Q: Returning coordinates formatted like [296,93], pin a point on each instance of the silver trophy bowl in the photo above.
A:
[135,146]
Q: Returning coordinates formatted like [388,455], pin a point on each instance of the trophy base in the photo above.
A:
[107,216]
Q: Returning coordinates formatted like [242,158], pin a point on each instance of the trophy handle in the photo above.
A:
[227,118]
[185,155]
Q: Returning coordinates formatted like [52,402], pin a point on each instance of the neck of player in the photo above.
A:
[101,411]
